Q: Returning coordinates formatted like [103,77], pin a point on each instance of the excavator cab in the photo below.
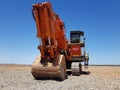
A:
[75,36]
[76,42]
[78,53]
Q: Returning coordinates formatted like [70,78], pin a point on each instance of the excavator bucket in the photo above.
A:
[39,71]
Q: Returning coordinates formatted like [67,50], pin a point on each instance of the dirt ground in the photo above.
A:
[18,77]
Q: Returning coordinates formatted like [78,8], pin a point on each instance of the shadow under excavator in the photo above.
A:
[85,72]
[82,73]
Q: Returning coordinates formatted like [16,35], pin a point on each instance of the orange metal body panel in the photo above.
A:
[75,50]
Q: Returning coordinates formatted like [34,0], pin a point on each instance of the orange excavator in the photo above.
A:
[57,54]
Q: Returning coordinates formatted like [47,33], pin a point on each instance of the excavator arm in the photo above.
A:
[50,30]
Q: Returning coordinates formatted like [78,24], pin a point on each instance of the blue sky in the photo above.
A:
[99,19]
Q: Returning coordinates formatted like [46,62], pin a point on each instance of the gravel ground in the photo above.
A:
[18,77]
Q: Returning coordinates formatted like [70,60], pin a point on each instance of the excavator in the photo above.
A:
[57,54]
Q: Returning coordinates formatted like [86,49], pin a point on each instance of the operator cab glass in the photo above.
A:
[75,38]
